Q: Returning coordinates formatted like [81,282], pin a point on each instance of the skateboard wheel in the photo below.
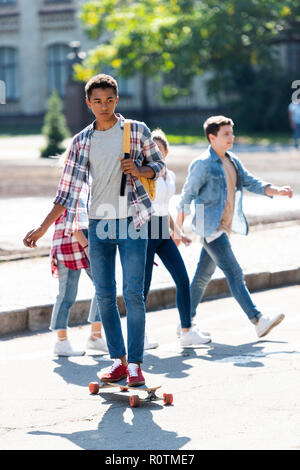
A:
[134,401]
[94,388]
[168,398]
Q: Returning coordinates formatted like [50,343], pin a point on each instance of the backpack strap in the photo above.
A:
[126,151]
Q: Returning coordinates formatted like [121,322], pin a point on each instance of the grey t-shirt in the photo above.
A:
[105,166]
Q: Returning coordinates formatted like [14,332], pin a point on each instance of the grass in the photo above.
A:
[8,130]
[175,135]
[195,135]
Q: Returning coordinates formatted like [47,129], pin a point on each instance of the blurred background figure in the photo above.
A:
[294,117]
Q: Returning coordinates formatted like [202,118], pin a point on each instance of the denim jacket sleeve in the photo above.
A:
[195,180]
[250,182]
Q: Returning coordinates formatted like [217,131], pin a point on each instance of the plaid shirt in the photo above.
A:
[65,249]
[75,181]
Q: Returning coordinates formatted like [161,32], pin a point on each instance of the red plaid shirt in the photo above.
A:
[65,249]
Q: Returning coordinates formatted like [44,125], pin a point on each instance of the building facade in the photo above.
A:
[35,37]
[35,44]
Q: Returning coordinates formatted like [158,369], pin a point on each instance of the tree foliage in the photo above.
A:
[231,40]
[55,127]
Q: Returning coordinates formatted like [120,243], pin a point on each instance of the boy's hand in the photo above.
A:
[186,240]
[285,191]
[33,236]
[279,191]
[129,167]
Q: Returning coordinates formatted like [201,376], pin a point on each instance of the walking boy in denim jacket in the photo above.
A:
[215,183]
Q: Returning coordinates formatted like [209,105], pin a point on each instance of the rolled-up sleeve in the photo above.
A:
[152,154]
[66,182]
[195,180]
[251,183]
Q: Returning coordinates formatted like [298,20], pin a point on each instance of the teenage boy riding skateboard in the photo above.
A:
[215,183]
[94,170]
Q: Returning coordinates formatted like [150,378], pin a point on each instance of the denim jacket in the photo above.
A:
[206,186]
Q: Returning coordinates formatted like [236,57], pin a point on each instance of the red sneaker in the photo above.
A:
[117,372]
[134,375]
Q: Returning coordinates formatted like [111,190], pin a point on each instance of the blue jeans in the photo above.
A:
[132,247]
[296,134]
[219,253]
[168,252]
[68,286]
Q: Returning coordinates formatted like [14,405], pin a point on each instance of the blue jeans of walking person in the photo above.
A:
[68,287]
[219,253]
[160,242]
[296,135]
[132,245]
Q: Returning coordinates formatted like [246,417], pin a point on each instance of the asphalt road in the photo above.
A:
[239,392]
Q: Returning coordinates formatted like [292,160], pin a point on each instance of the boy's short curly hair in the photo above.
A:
[101,81]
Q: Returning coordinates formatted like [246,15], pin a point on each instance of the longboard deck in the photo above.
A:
[134,400]
[122,385]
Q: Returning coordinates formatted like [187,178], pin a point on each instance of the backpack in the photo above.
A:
[148,183]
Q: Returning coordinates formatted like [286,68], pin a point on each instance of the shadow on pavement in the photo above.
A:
[173,366]
[114,432]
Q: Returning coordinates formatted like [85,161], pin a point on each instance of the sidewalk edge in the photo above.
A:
[37,318]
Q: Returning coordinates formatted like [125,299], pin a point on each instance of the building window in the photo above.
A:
[9,72]
[8,2]
[126,87]
[58,68]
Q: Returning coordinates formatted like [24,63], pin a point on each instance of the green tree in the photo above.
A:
[233,40]
[55,127]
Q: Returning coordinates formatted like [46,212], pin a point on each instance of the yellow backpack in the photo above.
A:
[148,183]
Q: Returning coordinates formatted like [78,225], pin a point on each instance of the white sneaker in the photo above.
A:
[64,348]
[194,325]
[265,324]
[192,338]
[149,345]
[99,344]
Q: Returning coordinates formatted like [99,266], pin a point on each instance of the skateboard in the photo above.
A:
[134,400]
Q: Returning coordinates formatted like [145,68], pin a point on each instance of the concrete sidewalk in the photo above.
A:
[269,255]
[270,258]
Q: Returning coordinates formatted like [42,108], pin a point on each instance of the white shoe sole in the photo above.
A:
[154,346]
[279,320]
[75,354]
[196,344]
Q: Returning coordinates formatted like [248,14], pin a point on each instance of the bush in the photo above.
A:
[55,127]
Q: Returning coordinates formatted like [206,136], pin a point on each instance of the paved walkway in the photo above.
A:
[238,392]
[29,283]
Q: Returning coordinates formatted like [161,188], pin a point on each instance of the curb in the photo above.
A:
[37,318]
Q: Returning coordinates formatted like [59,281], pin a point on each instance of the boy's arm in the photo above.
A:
[178,235]
[261,187]
[153,158]
[60,202]
[154,162]
[250,182]
[83,241]
[195,180]
[34,235]
[66,183]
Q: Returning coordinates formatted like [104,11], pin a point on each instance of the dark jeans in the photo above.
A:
[160,242]
[219,253]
